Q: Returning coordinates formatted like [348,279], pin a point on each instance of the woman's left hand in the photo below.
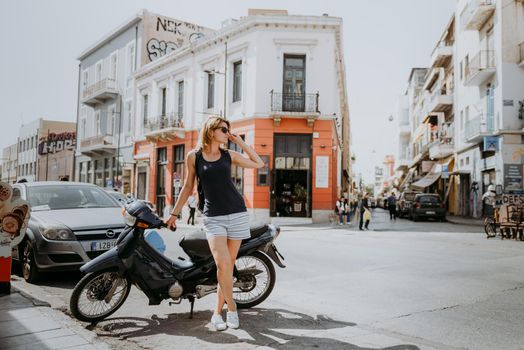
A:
[235,139]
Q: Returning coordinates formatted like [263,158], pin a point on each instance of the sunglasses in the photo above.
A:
[223,129]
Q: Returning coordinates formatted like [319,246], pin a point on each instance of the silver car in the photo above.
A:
[70,224]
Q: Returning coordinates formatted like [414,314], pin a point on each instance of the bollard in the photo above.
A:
[14,216]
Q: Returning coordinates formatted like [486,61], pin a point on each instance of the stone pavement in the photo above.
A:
[26,323]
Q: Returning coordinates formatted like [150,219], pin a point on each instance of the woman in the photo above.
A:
[226,220]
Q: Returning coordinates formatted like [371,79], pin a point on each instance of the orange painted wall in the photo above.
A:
[263,129]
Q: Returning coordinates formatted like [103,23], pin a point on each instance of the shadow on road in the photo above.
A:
[264,327]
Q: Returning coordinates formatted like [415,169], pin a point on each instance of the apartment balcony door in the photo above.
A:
[293,97]
[161,180]
[490,108]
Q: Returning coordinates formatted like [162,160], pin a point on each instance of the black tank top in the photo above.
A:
[222,197]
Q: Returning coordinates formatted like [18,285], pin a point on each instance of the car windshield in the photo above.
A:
[118,196]
[68,197]
[428,199]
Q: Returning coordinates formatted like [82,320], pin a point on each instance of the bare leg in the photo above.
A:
[233,247]
[220,248]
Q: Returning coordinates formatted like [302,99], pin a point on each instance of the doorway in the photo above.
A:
[291,176]
[464,193]
[141,183]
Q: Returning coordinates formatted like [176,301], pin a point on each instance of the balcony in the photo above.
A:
[478,127]
[296,106]
[476,13]
[440,101]
[99,92]
[441,55]
[439,150]
[480,68]
[164,128]
[521,54]
[98,145]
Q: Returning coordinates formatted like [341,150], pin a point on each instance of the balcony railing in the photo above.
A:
[99,92]
[480,68]
[97,144]
[521,54]
[476,13]
[478,127]
[302,103]
[441,54]
[164,122]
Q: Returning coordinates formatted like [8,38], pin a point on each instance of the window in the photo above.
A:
[145,107]
[98,71]
[237,81]
[81,169]
[85,78]
[98,124]
[180,99]
[113,65]
[178,170]
[131,64]
[128,116]
[111,121]
[210,90]
[237,173]
[163,101]
[161,180]
[83,128]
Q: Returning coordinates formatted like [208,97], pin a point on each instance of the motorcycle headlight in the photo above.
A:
[129,219]
[57,233]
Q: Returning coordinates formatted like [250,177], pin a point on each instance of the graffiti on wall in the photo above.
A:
[168,34]
[55,143]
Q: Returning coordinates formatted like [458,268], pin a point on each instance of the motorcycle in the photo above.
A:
[133,261]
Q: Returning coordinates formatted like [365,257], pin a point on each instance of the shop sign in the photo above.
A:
[513,178]
[322,172]
[491,143]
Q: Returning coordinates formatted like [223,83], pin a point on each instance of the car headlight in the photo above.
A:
[130,220]
[57,233]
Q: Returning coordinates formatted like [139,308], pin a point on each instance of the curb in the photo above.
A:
[473,223]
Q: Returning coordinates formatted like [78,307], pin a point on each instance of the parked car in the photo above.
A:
[405,203]
[70,224]
[428,206]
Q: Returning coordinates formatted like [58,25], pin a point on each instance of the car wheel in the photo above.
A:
[29,270]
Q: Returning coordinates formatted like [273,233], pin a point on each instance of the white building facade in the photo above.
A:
[280,80]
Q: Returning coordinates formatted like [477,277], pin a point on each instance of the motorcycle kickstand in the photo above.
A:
[192,301]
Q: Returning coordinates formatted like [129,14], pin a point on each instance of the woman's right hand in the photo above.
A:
[171,222]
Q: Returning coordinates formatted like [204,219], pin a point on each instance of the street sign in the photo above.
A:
[445,171]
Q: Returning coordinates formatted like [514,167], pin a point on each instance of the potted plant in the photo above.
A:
[300,197]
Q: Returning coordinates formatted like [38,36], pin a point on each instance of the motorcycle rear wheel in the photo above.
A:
[88,302]
[256,286]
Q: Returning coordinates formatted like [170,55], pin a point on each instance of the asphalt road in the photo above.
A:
[400,285]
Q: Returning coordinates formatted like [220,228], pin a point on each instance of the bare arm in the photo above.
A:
[254,160]
[187,188]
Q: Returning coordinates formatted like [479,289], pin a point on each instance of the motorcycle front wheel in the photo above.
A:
[255,281]
[97,295]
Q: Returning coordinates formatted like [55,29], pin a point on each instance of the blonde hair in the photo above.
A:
[205,136]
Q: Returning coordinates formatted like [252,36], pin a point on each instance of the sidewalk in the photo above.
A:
[27,323]
[462,220]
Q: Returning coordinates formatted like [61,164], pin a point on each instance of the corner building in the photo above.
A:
[280,80]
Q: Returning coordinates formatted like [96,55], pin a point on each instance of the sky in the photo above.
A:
[382,39]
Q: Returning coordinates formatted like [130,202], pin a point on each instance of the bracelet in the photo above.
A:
[173,214]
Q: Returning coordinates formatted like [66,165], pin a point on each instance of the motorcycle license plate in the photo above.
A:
[430,212]
[103,245]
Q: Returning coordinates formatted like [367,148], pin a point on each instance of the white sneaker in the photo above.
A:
[218,322]
[232,320]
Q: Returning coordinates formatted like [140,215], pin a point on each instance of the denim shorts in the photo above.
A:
[233,226]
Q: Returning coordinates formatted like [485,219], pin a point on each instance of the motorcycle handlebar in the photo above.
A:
[172,228]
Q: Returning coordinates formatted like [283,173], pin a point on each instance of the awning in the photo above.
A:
[407,179]
[429,179]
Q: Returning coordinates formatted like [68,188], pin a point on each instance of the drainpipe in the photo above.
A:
[77,123]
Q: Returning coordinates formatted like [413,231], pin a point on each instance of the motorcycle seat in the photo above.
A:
[195,242]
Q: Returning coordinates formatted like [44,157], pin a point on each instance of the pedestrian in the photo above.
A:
[341,210]
[364,205]
[226,221]
[192,204]
[348,211]
[392,206]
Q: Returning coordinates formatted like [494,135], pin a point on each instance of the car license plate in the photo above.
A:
[430,212]
[103,245]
